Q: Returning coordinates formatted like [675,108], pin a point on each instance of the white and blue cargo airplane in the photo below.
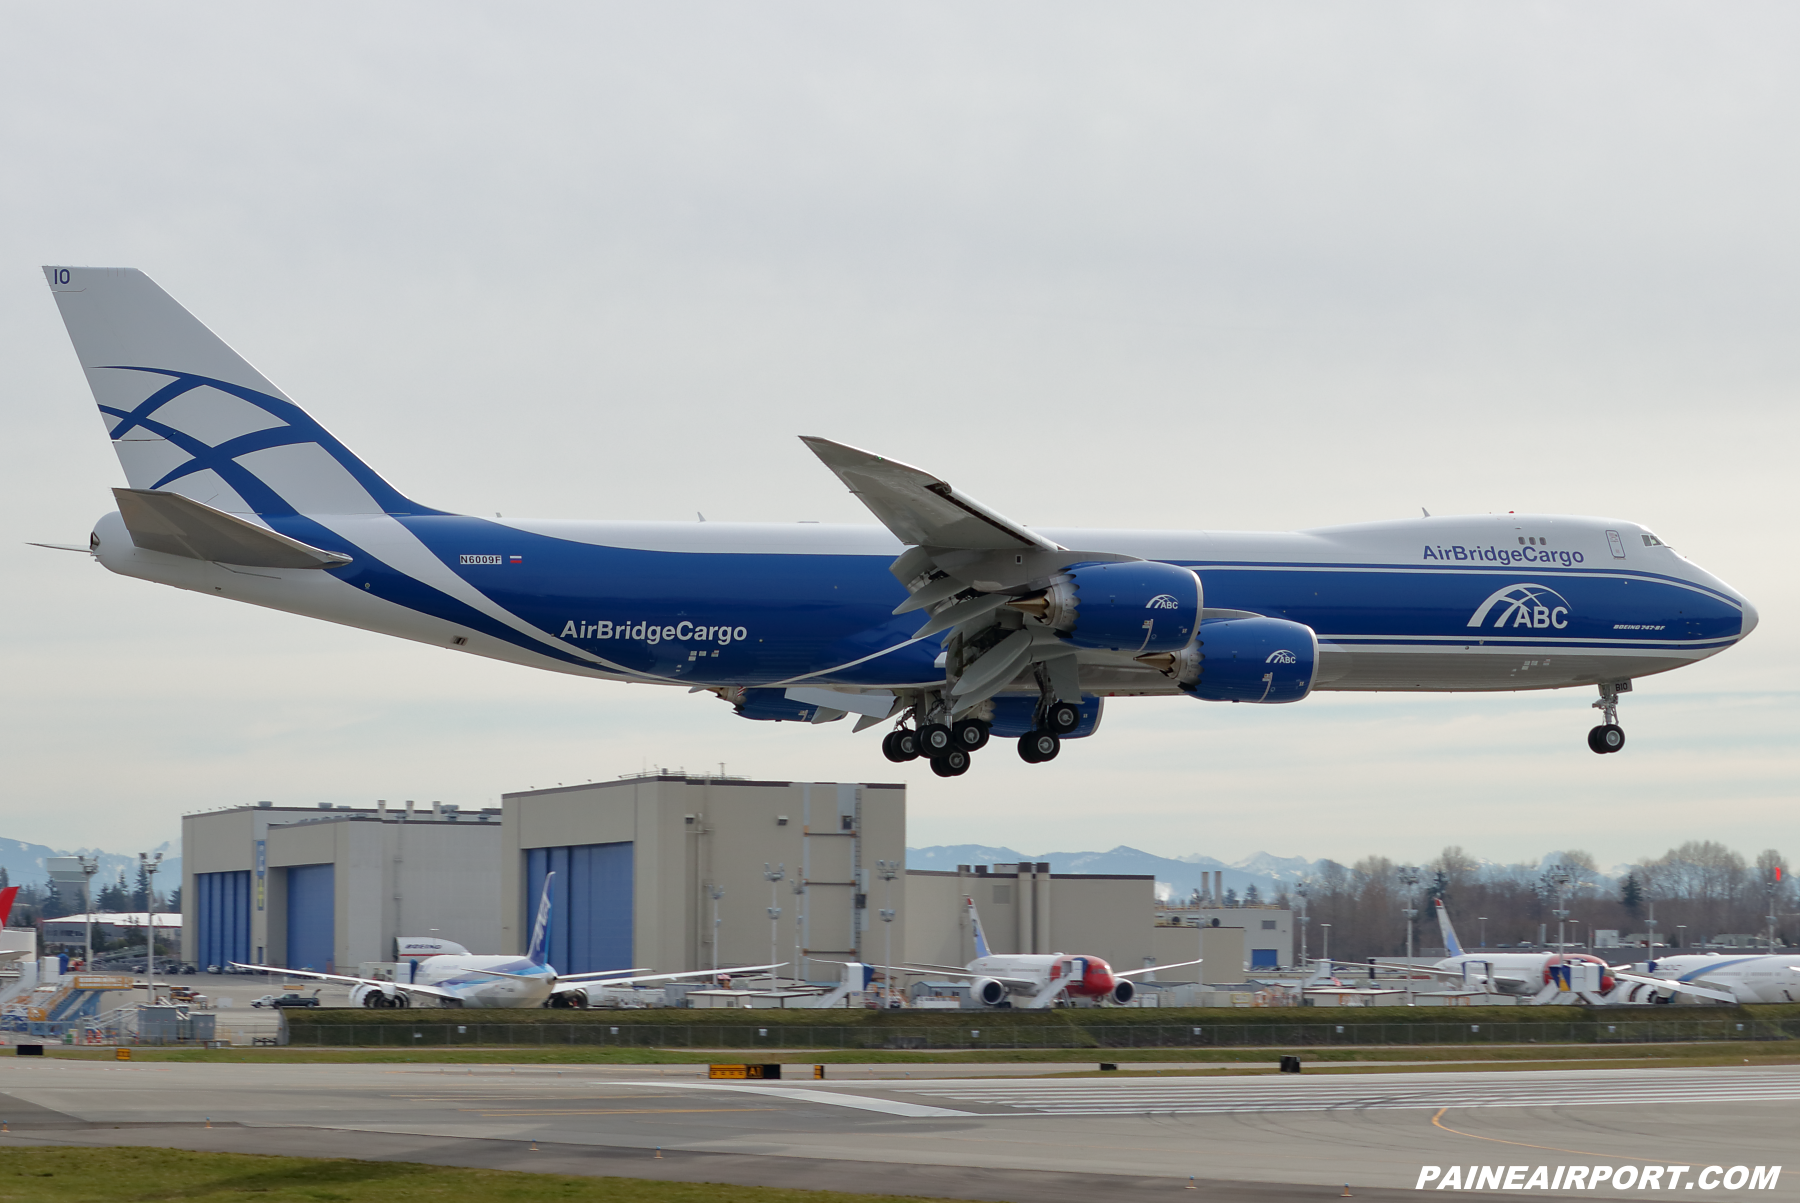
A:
[953,622]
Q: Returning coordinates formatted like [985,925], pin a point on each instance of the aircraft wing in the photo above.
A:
[921,509]
[346,980]
[1154,968]
[1679,987]
[602,979]
[1022,983]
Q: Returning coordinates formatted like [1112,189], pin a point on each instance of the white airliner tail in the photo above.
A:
[189,415]
[1452,946]
[981,944]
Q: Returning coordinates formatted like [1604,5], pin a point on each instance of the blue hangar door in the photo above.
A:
[311,917]
[222,915]
[590,904]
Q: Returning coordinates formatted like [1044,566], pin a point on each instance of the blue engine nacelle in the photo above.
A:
[1138,606]
[1255,660]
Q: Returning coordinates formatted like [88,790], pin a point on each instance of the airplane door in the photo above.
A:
[1617,544]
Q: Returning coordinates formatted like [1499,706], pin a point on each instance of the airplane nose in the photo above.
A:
[1750,619]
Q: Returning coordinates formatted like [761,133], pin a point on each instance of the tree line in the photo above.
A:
[53,900]
[1696,893]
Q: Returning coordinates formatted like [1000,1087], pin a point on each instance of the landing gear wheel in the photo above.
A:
[1062,718]
[971,735]
[1035,747]
[935,739]
[953,763]
[900,746]
[1608,737]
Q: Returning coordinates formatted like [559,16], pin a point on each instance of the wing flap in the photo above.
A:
[180,526]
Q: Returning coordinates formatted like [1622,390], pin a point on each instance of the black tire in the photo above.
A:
[891,746]
[935,739]
[1035,747]
[1612,737]
[1594,744]
[1063,717]
[953,763]
[971,734]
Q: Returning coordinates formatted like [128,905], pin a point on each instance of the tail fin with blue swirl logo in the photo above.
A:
[188,415]
[539,952]
[981,944]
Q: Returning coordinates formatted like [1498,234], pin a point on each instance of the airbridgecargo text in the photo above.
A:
[1503,555]
[1596,1177]
[650,632]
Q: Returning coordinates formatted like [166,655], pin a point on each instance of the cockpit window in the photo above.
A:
[1652,541]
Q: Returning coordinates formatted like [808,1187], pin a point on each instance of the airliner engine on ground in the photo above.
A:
[954,622]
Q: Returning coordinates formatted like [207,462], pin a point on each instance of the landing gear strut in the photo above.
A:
[1609,736]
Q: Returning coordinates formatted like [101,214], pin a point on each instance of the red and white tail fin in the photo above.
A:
[7,897]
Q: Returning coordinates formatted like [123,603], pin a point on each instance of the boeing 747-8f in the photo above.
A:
[950,622]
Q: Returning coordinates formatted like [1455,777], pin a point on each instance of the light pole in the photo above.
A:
[715,893]
[1769,888]
[148,865]
[1681,935]
[1325,952]
[1559,877]
[90,865]
[799,921]
[1483,931]
[774,876]
[1409,878]
[1301,889]
[888,870]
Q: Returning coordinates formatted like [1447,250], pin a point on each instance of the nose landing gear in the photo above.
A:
[1609,736]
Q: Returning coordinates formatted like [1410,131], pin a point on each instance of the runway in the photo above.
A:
[1252,1138]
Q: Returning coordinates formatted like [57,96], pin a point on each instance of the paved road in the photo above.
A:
[1248,1138]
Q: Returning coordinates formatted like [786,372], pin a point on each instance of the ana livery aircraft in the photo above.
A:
[464,980]
[1033,981]
[954,622]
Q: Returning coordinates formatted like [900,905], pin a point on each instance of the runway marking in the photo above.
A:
[1438,1121]
[1213,1096]
[616,1111]
[859,1102]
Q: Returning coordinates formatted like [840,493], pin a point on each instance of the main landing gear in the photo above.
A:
[947,746]
[1609,736]
[1055,721]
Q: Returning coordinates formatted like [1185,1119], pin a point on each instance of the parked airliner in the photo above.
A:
[1544,977]
[1034,981]
[465,980]
[1745,978]
[948,621]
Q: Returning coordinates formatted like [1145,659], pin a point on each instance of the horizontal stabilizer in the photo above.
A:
[180,526]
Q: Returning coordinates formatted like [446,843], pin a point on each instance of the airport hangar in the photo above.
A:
[637,862]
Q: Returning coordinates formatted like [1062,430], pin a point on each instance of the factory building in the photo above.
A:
[668,870]
[329,888]
[1268,930]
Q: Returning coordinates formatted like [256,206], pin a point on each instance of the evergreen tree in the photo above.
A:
[1252,896]
[140,897]
[1231,898]
[1631,893]
[173,905]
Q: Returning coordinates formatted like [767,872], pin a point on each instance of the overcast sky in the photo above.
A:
[1159,265]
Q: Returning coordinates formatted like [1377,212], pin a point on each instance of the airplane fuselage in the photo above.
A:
[1769,978]
[1501,602]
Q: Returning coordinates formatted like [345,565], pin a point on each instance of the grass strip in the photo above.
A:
[130,1175]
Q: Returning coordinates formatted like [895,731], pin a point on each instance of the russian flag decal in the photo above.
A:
[515,559]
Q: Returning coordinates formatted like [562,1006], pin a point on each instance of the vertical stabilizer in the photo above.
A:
[539,952]
[189,415]
[7,897]
[981,944]
[1451,945]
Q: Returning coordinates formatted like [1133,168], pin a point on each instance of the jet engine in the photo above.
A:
[1249,660]
[1137,606]
[568,999]
[1123,991]
[377,996]
[988,992]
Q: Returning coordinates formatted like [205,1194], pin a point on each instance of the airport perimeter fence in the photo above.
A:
[978,1034]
